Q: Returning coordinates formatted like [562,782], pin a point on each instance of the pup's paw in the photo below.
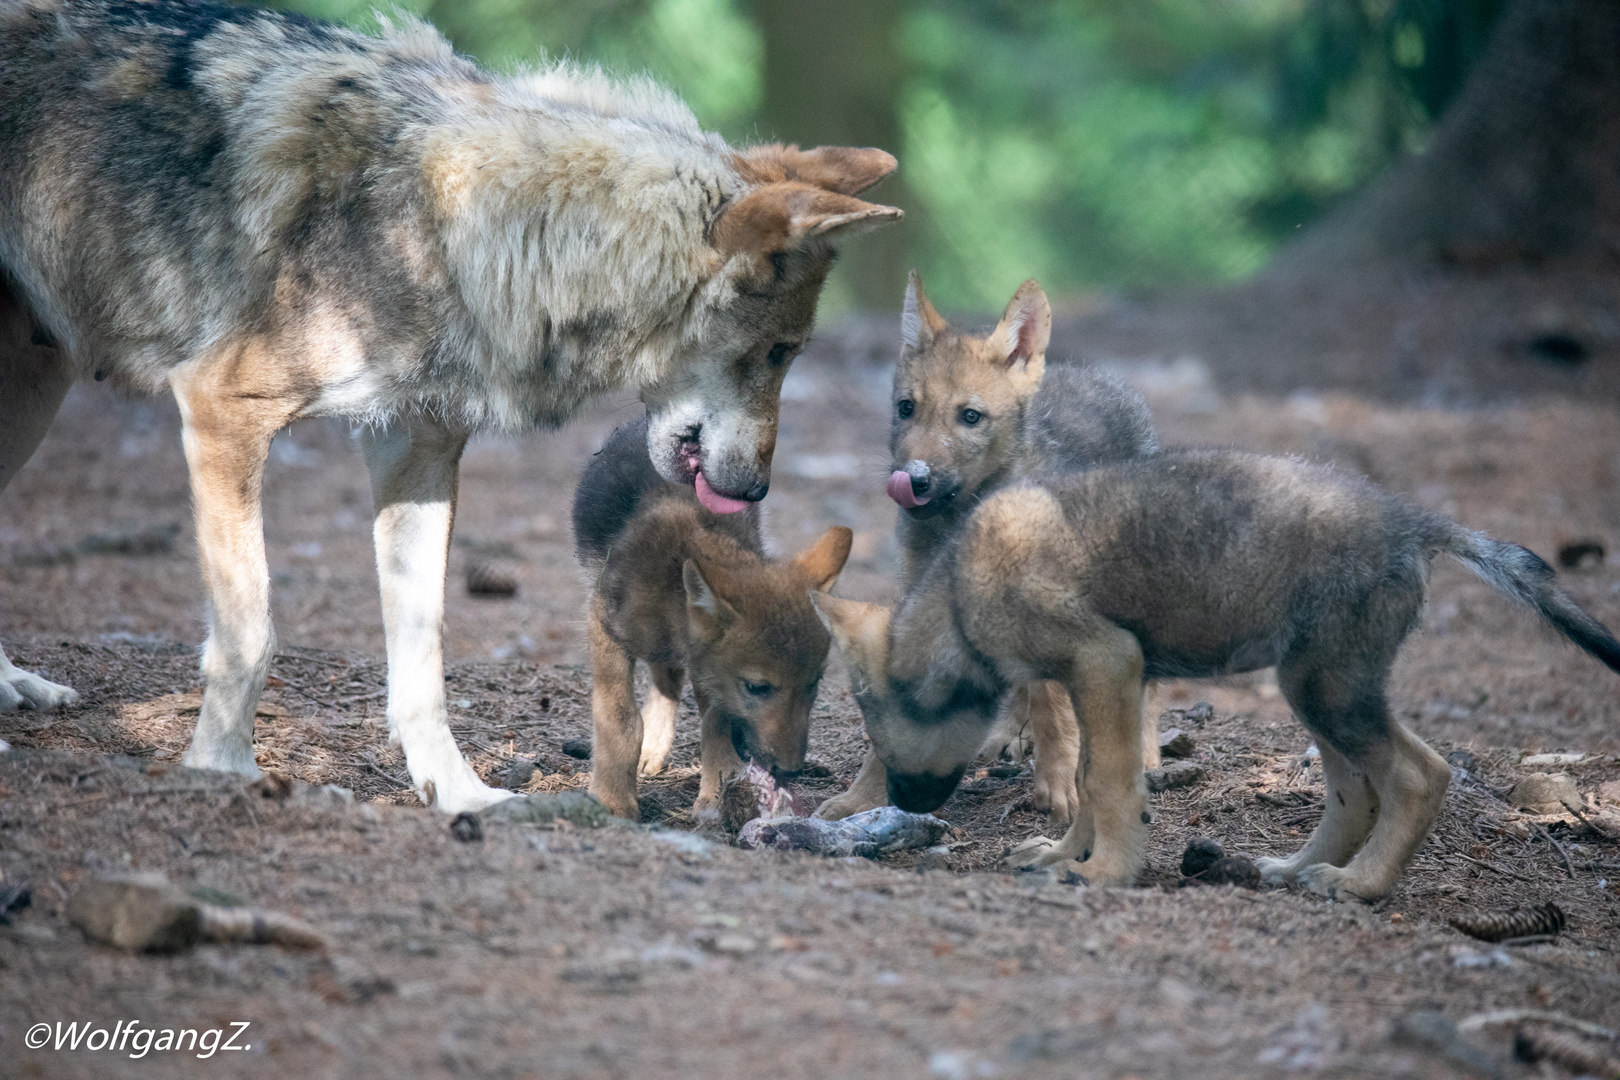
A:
[651,763]
[1277,871]
[21,689]
[842,806]
[706,811]
[1057,795]
[618,803]
[1337,883]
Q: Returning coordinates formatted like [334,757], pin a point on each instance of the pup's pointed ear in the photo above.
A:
[861,631]
[920,324]
[848,170]
[824,560]
[706,609]
[780,216]
[1019,341]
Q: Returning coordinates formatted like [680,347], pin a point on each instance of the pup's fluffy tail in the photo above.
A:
[1521,574]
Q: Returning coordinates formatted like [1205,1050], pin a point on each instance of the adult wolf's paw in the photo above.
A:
[1337,883]
[1036,852]
[459,791]
[1277,871]
[21,689]
[842,806]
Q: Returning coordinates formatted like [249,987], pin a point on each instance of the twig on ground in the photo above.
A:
[392,780]
[1516,1016]
[1493,866]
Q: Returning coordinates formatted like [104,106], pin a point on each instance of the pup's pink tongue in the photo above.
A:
[713,501]
[899,488]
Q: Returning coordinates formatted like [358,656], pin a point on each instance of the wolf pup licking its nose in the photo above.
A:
[689,591]
[1183,564]
[971,414]
[275,217]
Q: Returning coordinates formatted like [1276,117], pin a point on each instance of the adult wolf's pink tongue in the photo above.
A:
[713,501]
[899,488]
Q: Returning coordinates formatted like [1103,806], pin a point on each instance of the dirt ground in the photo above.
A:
[654,951]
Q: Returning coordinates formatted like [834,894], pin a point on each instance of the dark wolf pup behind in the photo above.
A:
[278,218]
[691,593]
[1189,563]
[970,415]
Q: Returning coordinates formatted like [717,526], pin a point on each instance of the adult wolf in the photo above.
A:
[1187,563]
[280,218]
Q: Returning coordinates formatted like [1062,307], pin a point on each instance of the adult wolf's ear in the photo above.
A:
[824,560]
[920,324]
[706,610]
[861,631]
[848,170]
[1019,341]
[779,217]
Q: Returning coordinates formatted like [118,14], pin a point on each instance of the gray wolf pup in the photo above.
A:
[970,415]
[277,218]
[690,593]
[1186,564]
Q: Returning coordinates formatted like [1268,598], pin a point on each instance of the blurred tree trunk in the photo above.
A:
[833,75]
[1524,167]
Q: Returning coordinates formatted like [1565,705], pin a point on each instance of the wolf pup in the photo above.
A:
[1188,563]
[971,415]
[276,218]
[690,593]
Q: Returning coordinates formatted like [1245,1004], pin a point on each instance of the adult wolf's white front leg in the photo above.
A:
[21,689]
[413,467]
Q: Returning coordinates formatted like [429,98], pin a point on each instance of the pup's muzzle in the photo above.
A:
[911,486]
[919,793]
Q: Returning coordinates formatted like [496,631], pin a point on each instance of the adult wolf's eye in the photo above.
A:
[758,689]
[971,416]
[905,408]
[779,353]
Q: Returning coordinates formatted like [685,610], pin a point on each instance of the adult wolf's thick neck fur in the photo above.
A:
[429,237]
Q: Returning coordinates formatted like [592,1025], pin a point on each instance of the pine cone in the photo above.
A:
[1577,1054]
[1548,919]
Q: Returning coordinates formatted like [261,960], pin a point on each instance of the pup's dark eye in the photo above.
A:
[758,689]
[905,408]
[779,353]
[971,416]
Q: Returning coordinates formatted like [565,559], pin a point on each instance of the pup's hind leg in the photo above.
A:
[1348,816]
[658,718]
[34,378]
[616,737]
[1057,752]
[413,465]
[869,790]
[1410,781]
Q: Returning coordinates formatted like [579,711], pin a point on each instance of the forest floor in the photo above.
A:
[656,950]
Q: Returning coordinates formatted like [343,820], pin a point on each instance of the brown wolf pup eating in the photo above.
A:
[1184,564]
[274,218]
[690,593]
[970,415]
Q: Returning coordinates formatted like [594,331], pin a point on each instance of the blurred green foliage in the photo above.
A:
[1089,143]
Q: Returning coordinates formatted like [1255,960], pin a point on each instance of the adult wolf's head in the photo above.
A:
[713,421]
[926,714]
[961,402]
[758,650]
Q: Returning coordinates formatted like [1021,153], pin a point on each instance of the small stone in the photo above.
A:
[485,579]
[1174,775]
[1202,853]
[1232,870]
[1175,743]
[544,807]
[1608,793]
[137,913]
[467,828]
[1201,714]
[519,773]
[1545,793]
[577,748]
